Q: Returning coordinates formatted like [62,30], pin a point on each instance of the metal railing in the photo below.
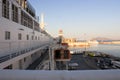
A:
[17,53]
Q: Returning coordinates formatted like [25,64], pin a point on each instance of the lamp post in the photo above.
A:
[85,43]
[51,58]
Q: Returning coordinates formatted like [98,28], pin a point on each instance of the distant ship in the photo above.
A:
[93,42]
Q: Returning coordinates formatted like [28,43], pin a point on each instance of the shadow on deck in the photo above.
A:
[38,61]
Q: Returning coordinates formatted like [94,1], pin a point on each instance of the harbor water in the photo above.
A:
[109,49]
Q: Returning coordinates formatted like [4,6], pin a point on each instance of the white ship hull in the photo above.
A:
[18,52]
[94,42]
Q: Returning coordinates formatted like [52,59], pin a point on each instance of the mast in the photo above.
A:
[42,24]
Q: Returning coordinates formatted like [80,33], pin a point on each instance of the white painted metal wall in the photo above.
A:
[14,44]
[59,75]
[0,8]
[9,47]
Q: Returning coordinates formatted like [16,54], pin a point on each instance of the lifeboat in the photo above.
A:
[62,55]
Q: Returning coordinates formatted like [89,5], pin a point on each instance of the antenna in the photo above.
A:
[42,24]
[42,18]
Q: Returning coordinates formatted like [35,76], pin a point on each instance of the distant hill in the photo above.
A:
[102,39]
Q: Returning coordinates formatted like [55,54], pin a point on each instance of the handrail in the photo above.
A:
[15,54]
[59,75]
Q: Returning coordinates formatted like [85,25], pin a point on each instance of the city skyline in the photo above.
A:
[95,18]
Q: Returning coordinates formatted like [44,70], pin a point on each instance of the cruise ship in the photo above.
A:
[22,39]
[93,42]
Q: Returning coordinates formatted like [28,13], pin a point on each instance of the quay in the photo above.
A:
[91,60]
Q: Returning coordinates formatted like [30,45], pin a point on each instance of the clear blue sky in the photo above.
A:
[96,18]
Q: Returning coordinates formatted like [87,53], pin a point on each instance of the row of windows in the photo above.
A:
[8,36]
[5,9]
[14,13]
[25,4]
[26,20]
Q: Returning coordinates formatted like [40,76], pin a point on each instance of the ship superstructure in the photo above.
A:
[21,38]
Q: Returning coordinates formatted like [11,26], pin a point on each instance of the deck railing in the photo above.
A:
[18,52]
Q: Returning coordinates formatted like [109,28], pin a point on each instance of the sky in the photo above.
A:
[80,18]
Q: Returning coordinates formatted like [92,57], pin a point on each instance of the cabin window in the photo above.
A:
[27,37]
[66,54]
[24,59]
[19,36]
[32,37]
[36,37]
[7,35]
[5,8]
[36,26]
[14,13]
[26,20]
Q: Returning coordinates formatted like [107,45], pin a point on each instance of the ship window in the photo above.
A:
[27,37]
[32,37]
[36,37]
[66,54]
[57,54]
[26,20]
[14,13]
[24,59]
[7,35]
[19,36]
[5,9]
[36,26]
